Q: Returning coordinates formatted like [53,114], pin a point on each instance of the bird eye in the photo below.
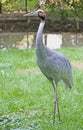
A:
[40,12]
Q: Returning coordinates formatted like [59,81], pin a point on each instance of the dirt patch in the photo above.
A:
[77,64]
[35,70]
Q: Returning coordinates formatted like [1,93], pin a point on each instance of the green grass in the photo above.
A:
[26,96]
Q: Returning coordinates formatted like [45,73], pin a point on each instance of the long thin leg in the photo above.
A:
[54,113]
[55,102]
[58,111]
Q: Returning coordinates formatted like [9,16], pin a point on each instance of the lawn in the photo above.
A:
[26,96]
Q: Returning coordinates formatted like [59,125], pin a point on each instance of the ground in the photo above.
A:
[77,64]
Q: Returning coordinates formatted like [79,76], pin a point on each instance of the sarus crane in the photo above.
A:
[54,65]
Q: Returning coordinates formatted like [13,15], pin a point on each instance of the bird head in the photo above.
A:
[39,13]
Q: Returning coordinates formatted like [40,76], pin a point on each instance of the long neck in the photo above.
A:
[39,40]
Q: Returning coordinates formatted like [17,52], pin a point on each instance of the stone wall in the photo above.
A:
[18,23]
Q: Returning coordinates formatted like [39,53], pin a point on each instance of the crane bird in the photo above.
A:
[55,66]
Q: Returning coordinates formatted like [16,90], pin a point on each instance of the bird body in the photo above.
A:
[55,66]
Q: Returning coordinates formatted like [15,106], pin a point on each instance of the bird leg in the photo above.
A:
[58,111]
[55,102]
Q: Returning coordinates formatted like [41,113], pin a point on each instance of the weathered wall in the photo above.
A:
[19,23]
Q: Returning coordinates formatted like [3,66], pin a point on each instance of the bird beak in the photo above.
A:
[32,14]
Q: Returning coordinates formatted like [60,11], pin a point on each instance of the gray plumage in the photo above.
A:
[55,66]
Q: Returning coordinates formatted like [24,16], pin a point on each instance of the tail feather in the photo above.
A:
[69,85]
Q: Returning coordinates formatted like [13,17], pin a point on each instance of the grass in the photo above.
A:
[26,96]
